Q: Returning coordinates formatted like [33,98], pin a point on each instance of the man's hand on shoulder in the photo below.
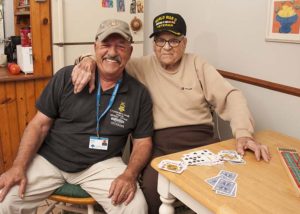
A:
[260,150]
[83,73]
[15,175]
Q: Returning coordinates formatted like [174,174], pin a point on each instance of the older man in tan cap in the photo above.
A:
[78,138]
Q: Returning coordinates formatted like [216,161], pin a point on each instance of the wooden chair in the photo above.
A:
[72,194]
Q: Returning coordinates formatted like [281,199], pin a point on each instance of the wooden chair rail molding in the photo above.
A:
[261,83]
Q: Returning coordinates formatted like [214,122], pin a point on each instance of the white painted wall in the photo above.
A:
[273,110]
[9,18]
[1,29]
[8,23]
[152,9]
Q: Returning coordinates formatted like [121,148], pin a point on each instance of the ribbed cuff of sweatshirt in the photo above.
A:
[80,58]
[243,133]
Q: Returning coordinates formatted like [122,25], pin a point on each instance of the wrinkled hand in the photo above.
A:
[122,189]
[84,73]
[13,176]
[260,150]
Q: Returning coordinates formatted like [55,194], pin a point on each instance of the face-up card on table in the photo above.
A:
[172,166]
[241,162]
[201,157]
[230,155]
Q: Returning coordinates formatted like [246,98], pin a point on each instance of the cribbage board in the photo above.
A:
[291,161]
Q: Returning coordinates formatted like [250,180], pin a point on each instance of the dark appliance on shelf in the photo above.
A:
[10,48]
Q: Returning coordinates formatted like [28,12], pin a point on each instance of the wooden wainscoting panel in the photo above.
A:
[13,119]
[2,101]
[30,100]
[1,156]
[2,93]
[5,130]
[21,103]
[39,86]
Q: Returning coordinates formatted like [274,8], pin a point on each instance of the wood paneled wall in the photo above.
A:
[17,108]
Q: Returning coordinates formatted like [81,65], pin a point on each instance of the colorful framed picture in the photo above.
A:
[283,21]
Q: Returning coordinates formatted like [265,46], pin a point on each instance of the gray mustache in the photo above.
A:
[115,58]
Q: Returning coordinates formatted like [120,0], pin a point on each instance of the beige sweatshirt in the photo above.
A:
[184,97]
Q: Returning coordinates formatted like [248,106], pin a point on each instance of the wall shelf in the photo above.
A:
[22,13]
[23,6]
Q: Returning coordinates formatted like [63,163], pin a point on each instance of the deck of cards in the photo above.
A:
[202,158]
[172,166]
[224,183]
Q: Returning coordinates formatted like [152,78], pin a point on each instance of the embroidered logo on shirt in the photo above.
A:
[119,118]
[122,107]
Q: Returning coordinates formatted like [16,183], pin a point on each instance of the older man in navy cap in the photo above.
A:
[78,138]
[184,88]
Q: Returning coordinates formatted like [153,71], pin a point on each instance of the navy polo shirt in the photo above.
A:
[67,143]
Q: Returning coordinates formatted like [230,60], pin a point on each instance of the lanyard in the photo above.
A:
[111,101]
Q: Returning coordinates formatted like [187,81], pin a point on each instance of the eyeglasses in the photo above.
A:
[160,42]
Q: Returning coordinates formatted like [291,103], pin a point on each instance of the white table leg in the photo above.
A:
[166,207]
[165,196]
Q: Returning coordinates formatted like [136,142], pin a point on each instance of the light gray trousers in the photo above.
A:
[44,178]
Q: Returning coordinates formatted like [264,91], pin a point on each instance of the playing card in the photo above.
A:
[172,166]
[224,186]
[201,158]
[233,194]
[224,183]
[230,175]
[193,159]
[213,180]
[238,162]
[230,155]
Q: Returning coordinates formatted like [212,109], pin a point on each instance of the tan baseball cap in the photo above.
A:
[111,26]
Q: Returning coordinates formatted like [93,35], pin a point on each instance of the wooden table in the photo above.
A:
[261,187]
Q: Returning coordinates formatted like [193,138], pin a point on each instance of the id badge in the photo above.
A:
[100,143]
